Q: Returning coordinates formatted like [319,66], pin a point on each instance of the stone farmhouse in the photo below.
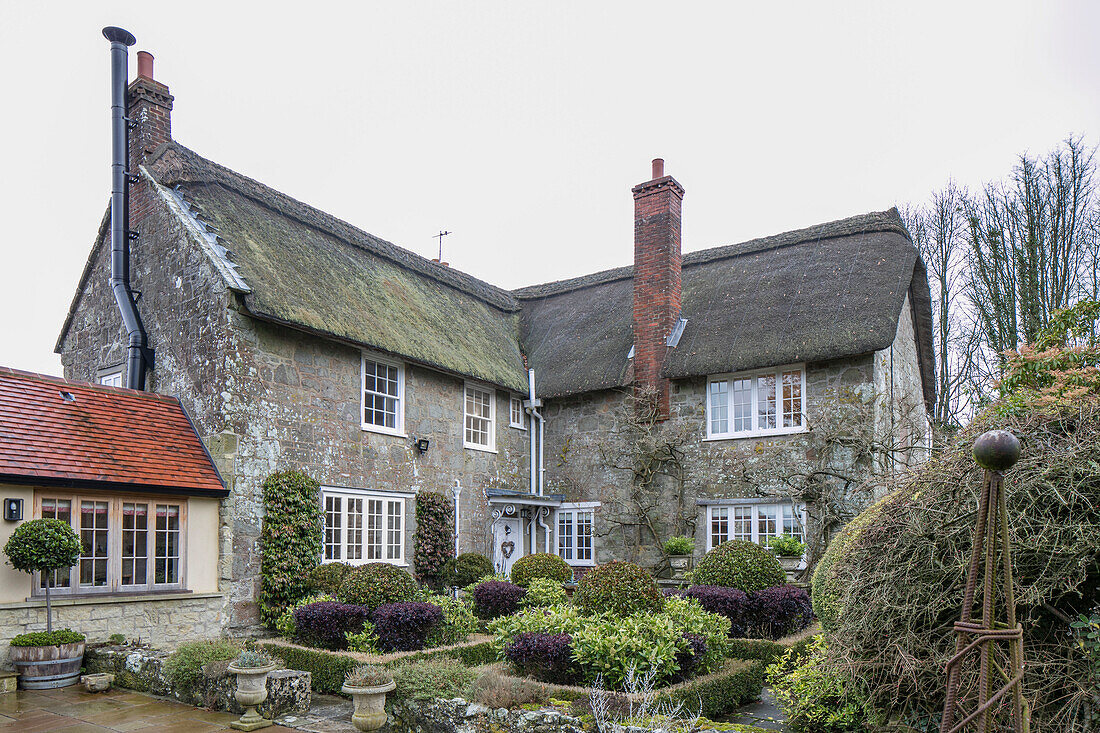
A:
[296,340]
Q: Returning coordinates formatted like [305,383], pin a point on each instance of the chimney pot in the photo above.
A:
[145,65]
[658,163]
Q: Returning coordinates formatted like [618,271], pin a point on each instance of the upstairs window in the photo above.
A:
[383,404]
[363,526]
[515,413]
[479,432]
[764,402]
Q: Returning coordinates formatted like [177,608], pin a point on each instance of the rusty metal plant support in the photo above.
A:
[995,451]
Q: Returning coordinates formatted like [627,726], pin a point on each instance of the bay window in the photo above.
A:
[363,526]
[762,402]
[127,543]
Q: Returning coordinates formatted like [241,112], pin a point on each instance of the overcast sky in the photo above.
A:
[521,127]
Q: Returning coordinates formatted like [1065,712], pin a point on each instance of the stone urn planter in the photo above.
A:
[48,667]
[370,705]
[790,564]
[251,691]
[680,564]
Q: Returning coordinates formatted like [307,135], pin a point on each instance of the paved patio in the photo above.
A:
[72,710]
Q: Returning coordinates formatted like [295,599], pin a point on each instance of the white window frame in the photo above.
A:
[112,378]
[754,430]
[115,504]
[344,494]
[573,509]
[491,446]
[399,420]
[513,402]
[754,511]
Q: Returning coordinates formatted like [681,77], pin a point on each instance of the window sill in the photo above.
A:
[763,434]
[479,448]
[382,431]
[356,563]
[576,564]
[108,598]
[518,427]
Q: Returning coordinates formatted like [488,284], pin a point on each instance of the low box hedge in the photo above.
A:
[738,682]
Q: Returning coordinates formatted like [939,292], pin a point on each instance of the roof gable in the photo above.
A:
[54,432]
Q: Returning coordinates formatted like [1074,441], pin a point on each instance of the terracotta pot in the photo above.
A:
[251,691]
[47,667]
[370,705]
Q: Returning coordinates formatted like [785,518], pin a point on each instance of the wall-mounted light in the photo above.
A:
[421,445]
[13,510]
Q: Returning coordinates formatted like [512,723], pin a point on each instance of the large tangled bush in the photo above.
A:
[739,564]
[620,588]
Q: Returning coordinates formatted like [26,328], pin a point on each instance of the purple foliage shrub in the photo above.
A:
[689,658]
[728,602]
[775,612]
[404,627]
[323,624]
[495,598]
[548,657]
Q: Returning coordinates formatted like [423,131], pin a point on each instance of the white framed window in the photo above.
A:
[516,414]
[479,429]
[383,390]
[363,526]
[128,543]
[112,378]
[753,522]
[762,402]
[576,539]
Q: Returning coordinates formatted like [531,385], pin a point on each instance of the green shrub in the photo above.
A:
[824,586]
[458,621]
[116,639]
[290,541]
[467,569]
[679,546]
[365,641]
[737,683]
[739,564]
[47,638]
[544,592]
[816,698]
[434,543]
[787,546]
[375,584]
[327,670]
[183,668]
[42,545]
[540,565]
[429,679]
[327,577]
[285,624]
[620,588]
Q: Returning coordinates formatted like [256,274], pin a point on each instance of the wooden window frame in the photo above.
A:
[572,510]
[399,413]
[754,431]
[754,516]
[514,401]
[387,498]
[491,446]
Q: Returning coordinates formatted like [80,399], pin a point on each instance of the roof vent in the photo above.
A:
[68,396]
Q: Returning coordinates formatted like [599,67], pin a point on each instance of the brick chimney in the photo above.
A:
[150,106]
[656,277]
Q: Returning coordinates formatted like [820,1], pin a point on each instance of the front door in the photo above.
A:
[507,543]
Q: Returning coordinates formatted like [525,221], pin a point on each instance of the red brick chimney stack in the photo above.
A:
[656,277]
[151,108]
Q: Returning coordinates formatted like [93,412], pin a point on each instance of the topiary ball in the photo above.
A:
[43,544]
[739,564]
[328,577]
[540,565]
[376,584]
[619,587]
[466,569]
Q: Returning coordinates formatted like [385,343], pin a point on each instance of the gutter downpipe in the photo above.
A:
[457,491]
[138,355]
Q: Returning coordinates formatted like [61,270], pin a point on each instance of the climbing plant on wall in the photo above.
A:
[290,540]
[434,544]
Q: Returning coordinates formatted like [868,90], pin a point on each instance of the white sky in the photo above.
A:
[521,127]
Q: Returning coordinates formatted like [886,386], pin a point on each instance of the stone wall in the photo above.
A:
[164,621]
[461,716]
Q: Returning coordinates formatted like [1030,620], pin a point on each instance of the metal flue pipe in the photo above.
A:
[138,355]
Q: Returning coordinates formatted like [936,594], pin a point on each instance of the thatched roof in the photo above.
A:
[814,294]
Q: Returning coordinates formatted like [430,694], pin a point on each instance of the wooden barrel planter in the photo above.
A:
[47,667]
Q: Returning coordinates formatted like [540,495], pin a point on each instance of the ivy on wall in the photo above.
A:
[290,541]
[434,544]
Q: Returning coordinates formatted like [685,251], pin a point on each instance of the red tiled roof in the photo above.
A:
[99,437]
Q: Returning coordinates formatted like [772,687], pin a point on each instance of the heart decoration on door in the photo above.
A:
[507,548]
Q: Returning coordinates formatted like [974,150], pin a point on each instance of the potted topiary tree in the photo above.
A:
[50,659]
[252,668]
[368,687]
[789,550]
[679,551]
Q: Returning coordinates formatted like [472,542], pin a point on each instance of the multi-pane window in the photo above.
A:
[363,526]
[768,402]
[383,403]
[479,433]
[126,544]
[111,379]
[575,533]
[753,522]
[515,413]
